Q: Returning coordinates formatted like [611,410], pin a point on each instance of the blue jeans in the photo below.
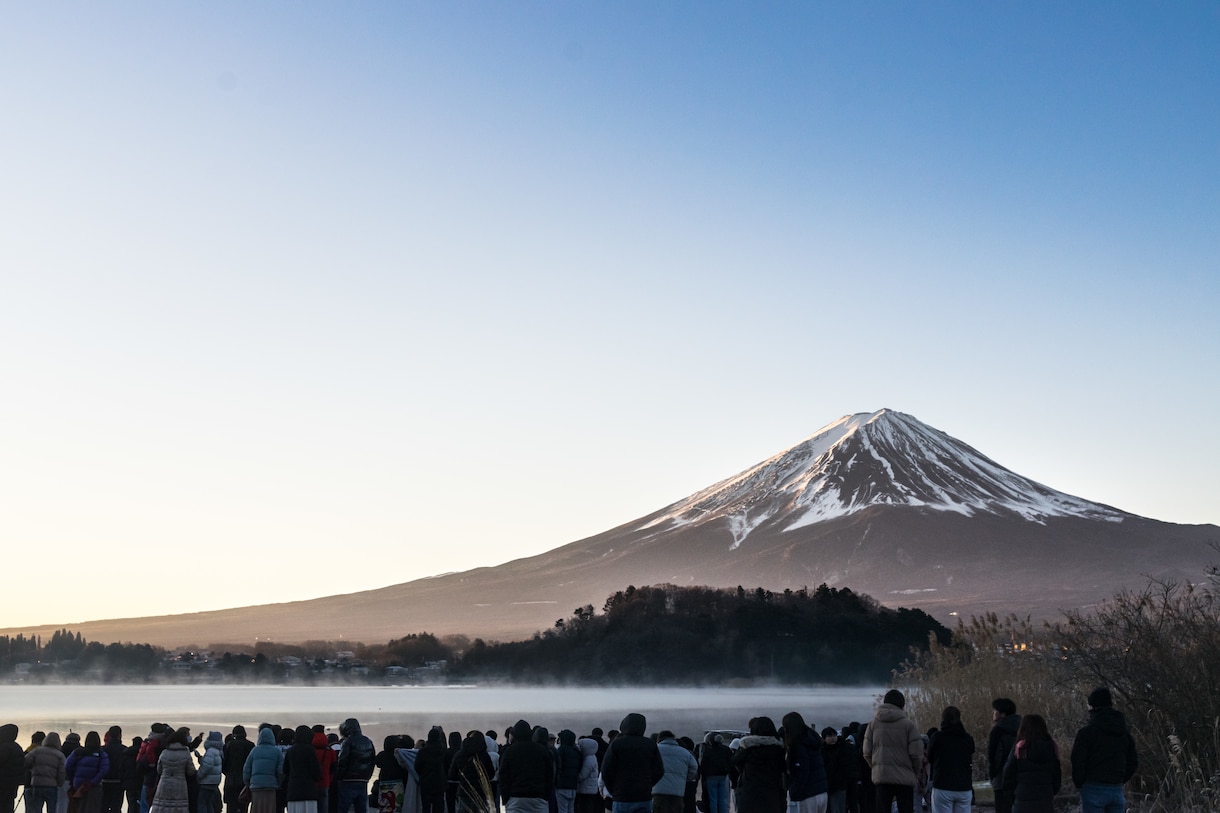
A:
[717,794]
[354,792]
[43,794]
[1102,799]
[632,807]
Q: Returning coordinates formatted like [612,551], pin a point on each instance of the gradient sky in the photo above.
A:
[307,298]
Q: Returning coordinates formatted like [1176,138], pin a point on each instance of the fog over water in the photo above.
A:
[384,710]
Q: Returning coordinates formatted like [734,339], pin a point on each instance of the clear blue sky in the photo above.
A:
[308,298]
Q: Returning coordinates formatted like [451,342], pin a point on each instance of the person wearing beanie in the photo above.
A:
[1000,741]
[893,749]
[1103,756]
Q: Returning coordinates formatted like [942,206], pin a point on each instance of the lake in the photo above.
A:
[384,710]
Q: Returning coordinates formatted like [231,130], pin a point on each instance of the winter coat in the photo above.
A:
[264,768]
[326,757]
[1032,776]
[527,769]
[680,768]
[840,762]
[430,765]
[893,747]
[114,749]
[632,764]
[761,767]
[1000,740]
[174,765]
[146,763]
[951,756]
[586,779]
[472,770]
[806,768]
[356,754]
[1104,751]
[301,770]
[12,758]
[46,764]
[568,759]
[715,759]
[86,768]
[212,760]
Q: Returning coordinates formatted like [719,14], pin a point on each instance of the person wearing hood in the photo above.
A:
[1103,756]
[760,766]
[12,767]
[146,763]
[808,789]
[588,798]
[669,792]
[527,773]
[211,766]
[46,767]
[430,765]
[354,767]
[174,766]
[1000,740]
[85,768]
[326,756]
[471,771]
[951,756]
[263,772]
[893,749]
[631,766]
[568,759]
[1032,775]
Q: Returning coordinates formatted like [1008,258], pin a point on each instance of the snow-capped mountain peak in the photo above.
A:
[869,459]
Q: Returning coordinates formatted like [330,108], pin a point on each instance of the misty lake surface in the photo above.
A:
[384,710]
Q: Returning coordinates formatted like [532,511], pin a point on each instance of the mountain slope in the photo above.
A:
[878,502]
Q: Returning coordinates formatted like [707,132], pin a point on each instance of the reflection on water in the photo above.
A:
[412,710]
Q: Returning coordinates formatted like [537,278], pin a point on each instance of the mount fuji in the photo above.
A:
[877,502]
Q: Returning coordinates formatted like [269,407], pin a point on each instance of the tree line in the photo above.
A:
[659,634]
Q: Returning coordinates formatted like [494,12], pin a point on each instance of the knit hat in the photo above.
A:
[829,732]
[895,698]
[1100,698]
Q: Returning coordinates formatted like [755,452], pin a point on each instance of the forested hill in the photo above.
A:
[703,635]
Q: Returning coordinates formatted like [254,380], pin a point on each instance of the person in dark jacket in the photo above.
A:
[1032,774]
[840,760]
[631,767]
[455,747]
[527,773]
[12,767]
[951,756]
[112,784]
[233,759]
[301,772]
[714,763]
[808,788]
[1001,739]
[130,776]
[471,772]
[430,767]
[568,759]
[354,767]
[761,765]
[1103,756]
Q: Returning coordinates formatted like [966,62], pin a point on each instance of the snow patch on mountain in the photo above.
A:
[869,459]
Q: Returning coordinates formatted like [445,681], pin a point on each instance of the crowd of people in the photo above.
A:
[884,765]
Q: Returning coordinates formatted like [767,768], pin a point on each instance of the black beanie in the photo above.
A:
[1100,698]
[895,698]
